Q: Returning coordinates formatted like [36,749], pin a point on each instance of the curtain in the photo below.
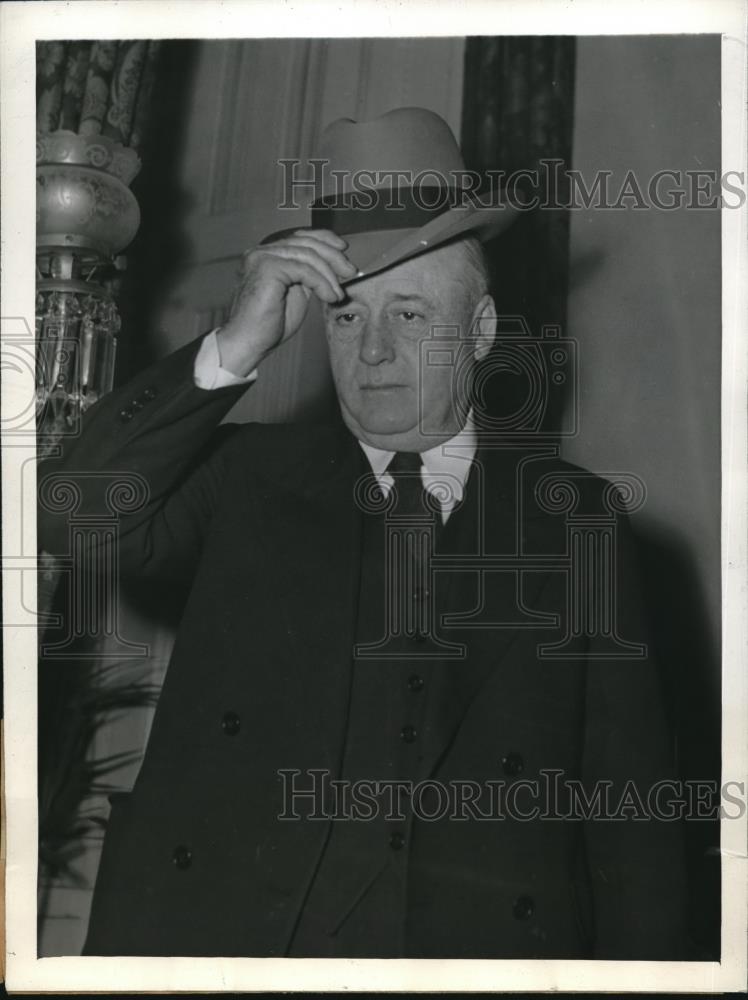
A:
[518,112]
[96,88]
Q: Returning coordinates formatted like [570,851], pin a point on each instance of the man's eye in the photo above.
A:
[345,319]
[409,316]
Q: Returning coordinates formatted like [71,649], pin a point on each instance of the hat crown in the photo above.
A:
[358,167]
[412,140]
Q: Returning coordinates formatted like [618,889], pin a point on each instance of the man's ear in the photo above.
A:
[484,327]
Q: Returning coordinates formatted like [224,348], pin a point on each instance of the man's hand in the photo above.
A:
[273,293]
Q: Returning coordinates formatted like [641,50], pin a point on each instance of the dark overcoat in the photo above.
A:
[263,526]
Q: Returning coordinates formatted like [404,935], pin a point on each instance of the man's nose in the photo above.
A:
[377,344]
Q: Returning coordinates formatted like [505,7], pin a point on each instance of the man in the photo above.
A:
[382,604]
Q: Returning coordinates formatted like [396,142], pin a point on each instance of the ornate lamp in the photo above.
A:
[85,215]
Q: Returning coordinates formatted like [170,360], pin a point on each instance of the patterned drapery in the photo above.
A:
[517,115]
[96,88]
[518,102]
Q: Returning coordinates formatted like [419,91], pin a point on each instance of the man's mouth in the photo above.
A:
[383,385]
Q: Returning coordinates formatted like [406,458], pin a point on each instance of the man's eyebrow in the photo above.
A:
[408,297]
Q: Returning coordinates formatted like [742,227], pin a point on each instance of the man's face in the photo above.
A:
[388,396]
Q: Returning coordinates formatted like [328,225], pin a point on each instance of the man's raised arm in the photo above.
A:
[156,436]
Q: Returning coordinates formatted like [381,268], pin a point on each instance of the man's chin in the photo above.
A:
[376,427]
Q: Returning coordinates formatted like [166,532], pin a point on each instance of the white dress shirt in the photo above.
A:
[208,372]
[444,468]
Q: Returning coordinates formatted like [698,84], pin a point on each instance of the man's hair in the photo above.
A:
[476,268]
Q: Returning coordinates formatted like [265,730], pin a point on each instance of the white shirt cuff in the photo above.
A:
[209,374]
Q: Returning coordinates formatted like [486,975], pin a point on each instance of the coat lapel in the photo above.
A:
[312,528]
[488,615]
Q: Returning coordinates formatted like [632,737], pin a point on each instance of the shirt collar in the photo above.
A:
[451,458]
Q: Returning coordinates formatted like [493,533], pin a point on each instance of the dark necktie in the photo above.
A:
[416,523]
[412,499]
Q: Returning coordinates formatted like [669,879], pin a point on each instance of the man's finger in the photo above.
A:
[311,258]
[325,235]
[296,270]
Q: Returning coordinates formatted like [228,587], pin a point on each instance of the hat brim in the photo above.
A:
[378,250]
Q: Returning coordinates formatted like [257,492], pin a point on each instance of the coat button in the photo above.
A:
[523,908]
[136,405]
[231,724]
[125,415]
[182,857]
[149,393]
[408,734]
[415,682]
[512,764]
[397,841]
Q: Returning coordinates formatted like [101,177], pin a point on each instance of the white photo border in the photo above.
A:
[21,24]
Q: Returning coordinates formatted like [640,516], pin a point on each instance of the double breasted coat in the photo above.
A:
[262,525]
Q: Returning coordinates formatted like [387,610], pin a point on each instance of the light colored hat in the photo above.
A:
[394,187]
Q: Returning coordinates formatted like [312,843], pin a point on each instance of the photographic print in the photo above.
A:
[374,499]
